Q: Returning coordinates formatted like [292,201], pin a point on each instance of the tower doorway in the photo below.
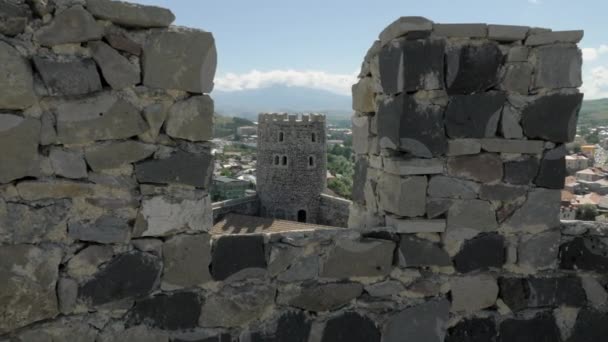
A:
[302,216]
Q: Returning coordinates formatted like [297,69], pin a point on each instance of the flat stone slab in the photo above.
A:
[461,30]
[507,33]
[449,187]
[68,164]
[366,258]
[472,214]
[501,192]
[191,119]
[415,225]
[484,168]
[513,146]
[350,327]
[130,14]
[16,79]
[473,293]
[174,311]
[106,229]
[179,168]
[473,68]
[68,77]
[326,297]
[459,147]
[402,196]
[18,147]
[416,252]
[193,56]
[553,37]
[405,167]
[402,26]
[186,260]
[117,154]
[425,322]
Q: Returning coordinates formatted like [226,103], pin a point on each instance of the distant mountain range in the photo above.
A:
[249,103]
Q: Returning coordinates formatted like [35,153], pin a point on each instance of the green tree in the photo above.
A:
[587,212]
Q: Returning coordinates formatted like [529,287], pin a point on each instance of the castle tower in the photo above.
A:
[291,165]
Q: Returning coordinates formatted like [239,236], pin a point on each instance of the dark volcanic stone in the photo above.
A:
[174,311]
[71,77]
[181,167]
[522,293]
[474,116]
[522,171]
[405,124]
[591,325]
[473,68]
[541,328]
[232,253]
[409,65]
[292,327]
[589,254]
[350,327]
[473,330]
[129,275]
[420,252]
[219,338]
[359,180]
[560,110]
[552,172]
[482,252]
[483,168]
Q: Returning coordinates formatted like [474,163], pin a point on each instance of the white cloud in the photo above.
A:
[591,54]
[337,83]
[595,83]
[535,2]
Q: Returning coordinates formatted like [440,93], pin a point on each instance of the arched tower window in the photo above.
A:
[276,160]
[284,160]
[281,136]
[302,216]
[311,161]
[314,137]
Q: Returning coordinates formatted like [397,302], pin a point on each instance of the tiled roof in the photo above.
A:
[244,224]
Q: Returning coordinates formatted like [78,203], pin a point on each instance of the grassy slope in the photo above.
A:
[594,112]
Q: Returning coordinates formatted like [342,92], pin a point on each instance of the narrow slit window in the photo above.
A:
[314,137]
[311,161]
[284,160]
[281,136]
[276,160]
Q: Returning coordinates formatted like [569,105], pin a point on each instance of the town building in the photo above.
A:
[225,188]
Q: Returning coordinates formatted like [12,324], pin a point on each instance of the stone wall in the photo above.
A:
[104,162]
[333,211]
[249,205]
[459,133]
[288,181]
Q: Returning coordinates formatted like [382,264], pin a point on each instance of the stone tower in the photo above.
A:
[292,165]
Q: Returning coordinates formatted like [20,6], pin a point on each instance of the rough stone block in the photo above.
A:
[485,168]
[385,289]
[33,223]
[415,225]
[106,229]
[559,109]
[557,67]
[425,322]
[540,212]
[402,196]
[68,76]
[472,214]
[448,187]
[366,258]
[461,30]
[68,164]
[29,275]
[18,147]
[510,126]
[517,78]
[540,328]
[473,68]
[588,253]
[292,326]
[436,207]
[507,33]
[130,14]
[235,306]
[363,96]
[186,260]
[350,327]
[472,293]
[116,69]
[553,37]
[518,54]
[591,325]
[361,134]
[14,17]
[406,167]
[501,192]
[474,116]
[117,154]
[74,25]
[123,43]
[409,65]
[360,180]
[415,252]
[326,297]
[459,147]
[191,119]
[155,115]
[552,172]
[179,168]
[174,311]
[16,79]
[101,117]
[402,26]
[130,275]
[481,253]
[522,171]
[473,330]
[513,146]
[169,214]
[420,132]
[86,263]
[193,57]
[595,292]
[226,263]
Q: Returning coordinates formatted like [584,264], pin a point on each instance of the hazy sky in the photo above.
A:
[321,43]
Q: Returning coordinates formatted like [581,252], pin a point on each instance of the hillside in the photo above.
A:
[594,112]
[224,126]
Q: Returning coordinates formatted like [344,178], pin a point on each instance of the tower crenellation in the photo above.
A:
[292,165]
